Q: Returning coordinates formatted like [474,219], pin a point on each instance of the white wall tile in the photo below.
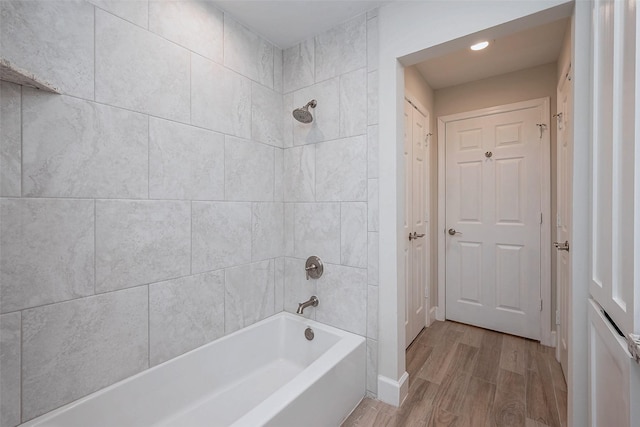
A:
[47,251]
[296,288]
[267,237]
[373,259]
[372,98]
[326,116]
[221,235]
[185,162]
[300,174]
[341,170]
[289,228]
[373,206]
[249,170]
[278,64]
[76,148]
[353,103]
[247,53]
[249,294]
[10,140]
[353,234]
[279,285]
[372,366]
[299,66]
[266,112]
[220,98]
[373,44]
[287,120]
[317,231]
[196,25]
[135,11]
[278,186]
[139,242]
[184,314]
[372,151]
[53,40]
[140,71]
[341,49]
[10,388]
[342,292]
[74,348]
[372,312]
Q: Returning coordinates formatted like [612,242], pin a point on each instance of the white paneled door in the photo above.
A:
[416,250]
[493,217]
[614,310]
[564,211]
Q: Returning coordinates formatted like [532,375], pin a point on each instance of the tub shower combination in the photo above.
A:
[268,374]
[282,371]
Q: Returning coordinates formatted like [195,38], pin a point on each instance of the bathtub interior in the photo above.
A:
[213,385]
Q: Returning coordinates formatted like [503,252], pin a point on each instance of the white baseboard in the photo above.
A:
[432,314]
[554,342]
[391,391]
[439,314]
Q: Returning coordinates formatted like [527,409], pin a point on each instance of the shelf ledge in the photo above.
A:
[11,73]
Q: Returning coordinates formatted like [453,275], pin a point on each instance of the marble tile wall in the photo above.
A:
[331,178]
[167,197]
[141,211]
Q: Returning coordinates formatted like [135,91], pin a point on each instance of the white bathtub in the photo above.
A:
[267,374]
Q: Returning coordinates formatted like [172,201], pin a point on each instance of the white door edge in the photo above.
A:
[545,230]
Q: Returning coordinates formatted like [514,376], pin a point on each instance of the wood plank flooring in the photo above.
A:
[461,375]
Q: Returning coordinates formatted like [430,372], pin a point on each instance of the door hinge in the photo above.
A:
[540,305]
[557,317]
[540,218]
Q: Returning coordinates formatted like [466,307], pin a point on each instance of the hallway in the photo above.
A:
[461,375]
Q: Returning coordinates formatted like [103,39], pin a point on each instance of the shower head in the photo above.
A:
[303,115]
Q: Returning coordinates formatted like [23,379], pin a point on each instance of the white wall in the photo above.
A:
[142,210]
[408,31]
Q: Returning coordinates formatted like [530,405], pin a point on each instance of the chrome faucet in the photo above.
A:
[313,302]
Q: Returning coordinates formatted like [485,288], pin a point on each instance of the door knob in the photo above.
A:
[415,236]
[562,246]
[453,232]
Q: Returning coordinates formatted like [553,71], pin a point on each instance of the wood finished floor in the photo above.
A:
[461,375]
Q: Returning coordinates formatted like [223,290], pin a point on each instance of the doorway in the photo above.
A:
[428,36]
[497,192]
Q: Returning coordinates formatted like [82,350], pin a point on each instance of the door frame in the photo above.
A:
[546,335]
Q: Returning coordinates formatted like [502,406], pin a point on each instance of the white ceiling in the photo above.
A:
[529,48]
[286,23]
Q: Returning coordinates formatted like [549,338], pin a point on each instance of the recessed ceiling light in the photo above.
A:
[480,46]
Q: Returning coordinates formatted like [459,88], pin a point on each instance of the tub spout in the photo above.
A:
[313,302]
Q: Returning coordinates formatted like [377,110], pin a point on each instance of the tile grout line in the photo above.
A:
[21,143]
[191,237]
[95,245]
[184,123]
[148,326]
[94,51]
[148,157]
[191,88]
[21,367]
